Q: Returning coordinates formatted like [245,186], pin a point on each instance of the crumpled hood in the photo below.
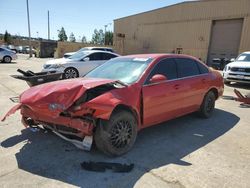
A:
[58,96]
[245,64]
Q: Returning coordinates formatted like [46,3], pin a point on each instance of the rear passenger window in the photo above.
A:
[107,56]
[203,69]
[166,67]
[95,56]
[187,67]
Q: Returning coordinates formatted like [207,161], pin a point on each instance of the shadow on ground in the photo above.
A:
[4,63]
[48,156]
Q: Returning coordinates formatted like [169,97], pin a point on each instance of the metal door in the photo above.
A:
[225,39]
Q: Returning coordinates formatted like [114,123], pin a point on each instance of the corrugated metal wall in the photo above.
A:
[186,25]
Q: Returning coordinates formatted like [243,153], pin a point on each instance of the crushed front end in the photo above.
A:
[65,108]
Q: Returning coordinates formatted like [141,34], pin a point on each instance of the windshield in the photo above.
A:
[78,55]
[127,70]
[243,57]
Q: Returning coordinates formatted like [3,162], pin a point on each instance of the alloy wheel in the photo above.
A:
[121,134]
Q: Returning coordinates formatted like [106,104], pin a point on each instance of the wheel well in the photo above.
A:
[215,91]
[71,68]
[122,107]
[7,56]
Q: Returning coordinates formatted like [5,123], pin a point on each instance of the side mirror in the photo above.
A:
[232,60]
[158,78]
[86,59]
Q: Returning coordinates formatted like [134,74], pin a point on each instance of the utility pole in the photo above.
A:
[105,27]
[30,51]
[48,27]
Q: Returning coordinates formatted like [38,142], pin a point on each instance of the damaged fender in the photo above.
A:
[12,111]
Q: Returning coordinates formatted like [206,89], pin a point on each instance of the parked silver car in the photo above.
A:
[79,64]
[7,55]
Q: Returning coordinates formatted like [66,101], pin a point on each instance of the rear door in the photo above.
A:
[194,82]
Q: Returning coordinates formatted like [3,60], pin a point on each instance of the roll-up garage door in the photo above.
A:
[225,39]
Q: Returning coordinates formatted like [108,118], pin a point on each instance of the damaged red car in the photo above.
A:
[119,98]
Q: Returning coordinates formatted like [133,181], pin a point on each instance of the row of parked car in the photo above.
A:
[234,70]
[19,49]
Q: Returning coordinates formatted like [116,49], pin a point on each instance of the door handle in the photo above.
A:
[177,86]
[204,80]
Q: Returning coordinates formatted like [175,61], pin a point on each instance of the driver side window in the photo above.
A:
[166,67]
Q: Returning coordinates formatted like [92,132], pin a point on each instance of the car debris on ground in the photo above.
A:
[102,166]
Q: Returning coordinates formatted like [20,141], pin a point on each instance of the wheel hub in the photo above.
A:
[121,134]
[70,73]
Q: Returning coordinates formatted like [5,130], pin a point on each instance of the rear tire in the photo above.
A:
[207,106]
[7,59]
[70,73]
[116,136]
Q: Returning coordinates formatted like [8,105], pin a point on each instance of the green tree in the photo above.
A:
[7,37]
[98,36]
[72,37]
[84,39]
[62,35]
[109,38]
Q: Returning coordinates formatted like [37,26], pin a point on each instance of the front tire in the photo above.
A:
[207,106]
[70,73]
[116,136]
[7,59]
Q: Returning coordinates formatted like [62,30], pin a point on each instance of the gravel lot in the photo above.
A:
[185,152]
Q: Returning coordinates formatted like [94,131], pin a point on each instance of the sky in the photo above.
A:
[78,16]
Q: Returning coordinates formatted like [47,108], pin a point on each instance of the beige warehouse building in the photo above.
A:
[206,29]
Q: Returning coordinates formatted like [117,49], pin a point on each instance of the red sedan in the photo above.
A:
[119,98]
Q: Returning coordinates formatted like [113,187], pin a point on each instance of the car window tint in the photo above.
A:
[98,49]
[166,67]
[109,50]
[186,67]
[203,69]
[95,57]
[107,56]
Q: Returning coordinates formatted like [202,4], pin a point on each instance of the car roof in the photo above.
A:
[246,52]
[156,55]
[94,51]
[91,47]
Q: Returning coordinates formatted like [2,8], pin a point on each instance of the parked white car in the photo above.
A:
[7,55]
[66,55]
[239,70]
[79,64]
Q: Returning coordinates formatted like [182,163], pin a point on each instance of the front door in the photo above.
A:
[160,100]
